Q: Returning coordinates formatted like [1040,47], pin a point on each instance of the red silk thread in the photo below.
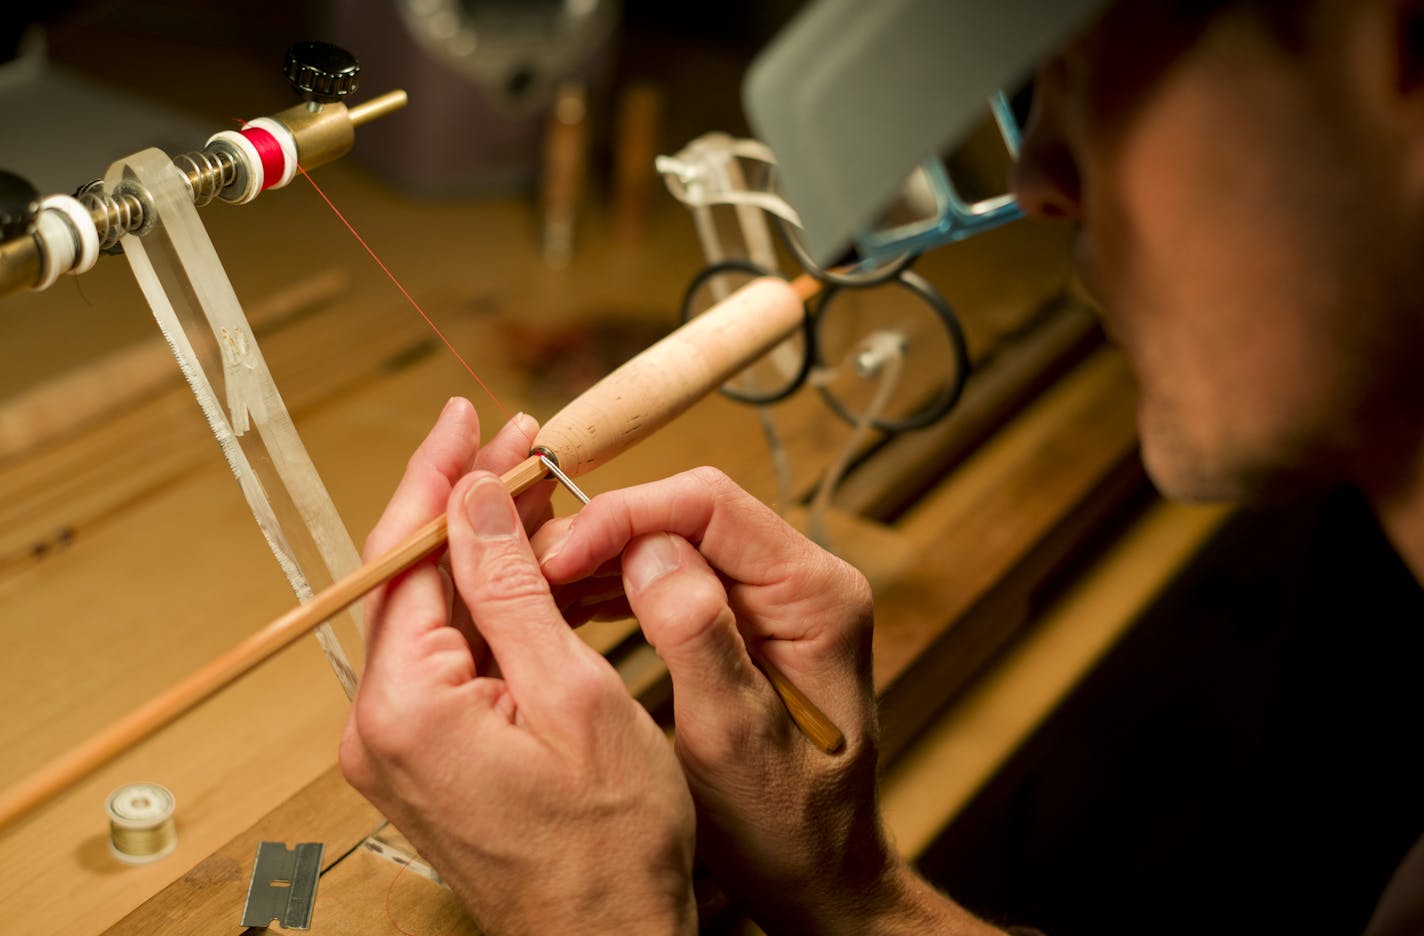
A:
[274,161]
[415,305]
[390,915]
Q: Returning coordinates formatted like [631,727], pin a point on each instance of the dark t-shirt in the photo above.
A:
[1401,907]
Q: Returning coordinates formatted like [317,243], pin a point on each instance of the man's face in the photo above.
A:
[1242,227]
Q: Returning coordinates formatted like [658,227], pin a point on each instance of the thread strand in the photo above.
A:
[415,305]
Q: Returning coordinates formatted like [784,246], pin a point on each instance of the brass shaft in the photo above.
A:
[323,135]
[380,106]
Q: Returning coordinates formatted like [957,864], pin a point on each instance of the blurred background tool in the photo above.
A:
[482,77]
[565,171]
[636,143]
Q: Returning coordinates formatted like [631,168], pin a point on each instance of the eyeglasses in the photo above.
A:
[945,215]
[839,346]
[842,347]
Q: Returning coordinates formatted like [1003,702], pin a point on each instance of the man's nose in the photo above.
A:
[1046,180]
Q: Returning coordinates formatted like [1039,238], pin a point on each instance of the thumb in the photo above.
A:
[508,598]
[683,610]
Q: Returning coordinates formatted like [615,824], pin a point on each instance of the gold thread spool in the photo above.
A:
[141,823]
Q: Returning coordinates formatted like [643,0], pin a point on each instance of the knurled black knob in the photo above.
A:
[19,205]
[321,72]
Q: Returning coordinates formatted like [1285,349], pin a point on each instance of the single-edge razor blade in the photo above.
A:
[283,885]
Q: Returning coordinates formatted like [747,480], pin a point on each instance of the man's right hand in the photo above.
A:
[793,833]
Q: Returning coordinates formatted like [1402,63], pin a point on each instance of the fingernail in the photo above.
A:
[491,512]
[556,544]
[656,556]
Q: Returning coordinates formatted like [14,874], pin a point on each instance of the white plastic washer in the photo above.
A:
[56,248]
[250,157]
[285,139]
[81,223]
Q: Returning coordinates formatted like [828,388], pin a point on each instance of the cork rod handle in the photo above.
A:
[659,384]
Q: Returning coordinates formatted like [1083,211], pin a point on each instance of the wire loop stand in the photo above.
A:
[709,172]
[880,356]
[199,314]
[717,171]
[944,401]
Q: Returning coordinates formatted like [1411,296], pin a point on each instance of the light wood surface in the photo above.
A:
[130,375]
[83,759]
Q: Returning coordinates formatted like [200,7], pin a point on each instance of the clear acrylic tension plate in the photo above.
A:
[199,314]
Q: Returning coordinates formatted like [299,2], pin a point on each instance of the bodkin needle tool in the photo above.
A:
[563,479]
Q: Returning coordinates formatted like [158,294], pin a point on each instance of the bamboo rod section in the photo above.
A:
[623,414]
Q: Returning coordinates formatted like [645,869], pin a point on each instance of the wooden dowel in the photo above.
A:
[806,286]
[813,722]
[730,346]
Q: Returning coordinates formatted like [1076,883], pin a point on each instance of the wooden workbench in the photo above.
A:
[127,556]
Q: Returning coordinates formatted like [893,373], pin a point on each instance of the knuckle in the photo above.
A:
[417,463]
[700,618]
[753,721]
[588,687]
[584,685]
[507,577]
[381,729]
[709,477]
[352,758]
[857,588]
[845,580]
